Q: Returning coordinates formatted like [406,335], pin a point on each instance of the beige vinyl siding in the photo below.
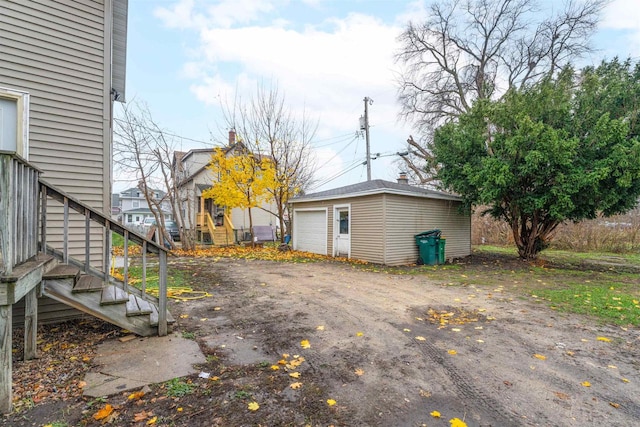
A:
[367,227]
[408,216]
[55,51]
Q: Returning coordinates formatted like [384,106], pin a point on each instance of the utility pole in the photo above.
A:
[367,102]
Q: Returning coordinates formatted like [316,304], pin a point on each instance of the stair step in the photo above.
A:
[87,283]
[153,317]
[61,271]
[136,306]
[113,295]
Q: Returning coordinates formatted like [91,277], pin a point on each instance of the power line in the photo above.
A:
[166,133]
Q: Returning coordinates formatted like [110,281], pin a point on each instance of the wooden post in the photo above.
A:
[6,208]
[65,242]
[162,294]
[87,240]
[5,359]
[144,267]
[30,324]
[107,250]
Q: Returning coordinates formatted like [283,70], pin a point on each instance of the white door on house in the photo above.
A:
[342,246]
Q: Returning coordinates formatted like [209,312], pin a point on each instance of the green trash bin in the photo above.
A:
[428,247]
[441,244]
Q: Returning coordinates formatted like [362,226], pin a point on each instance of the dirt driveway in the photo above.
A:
[390,349]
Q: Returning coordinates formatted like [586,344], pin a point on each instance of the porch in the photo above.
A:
[34,214]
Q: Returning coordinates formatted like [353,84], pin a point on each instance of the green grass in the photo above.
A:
[178,388]
[611,304]
[572,282]
[176,278]
[117,241]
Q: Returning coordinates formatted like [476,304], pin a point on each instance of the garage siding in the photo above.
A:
[407,216]
[367,228]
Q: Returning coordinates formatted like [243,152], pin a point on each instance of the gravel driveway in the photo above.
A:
[391,349]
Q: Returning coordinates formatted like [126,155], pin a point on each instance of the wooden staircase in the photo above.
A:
[109,302]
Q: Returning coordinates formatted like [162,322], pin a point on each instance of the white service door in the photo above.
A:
[310,231]
[343,238]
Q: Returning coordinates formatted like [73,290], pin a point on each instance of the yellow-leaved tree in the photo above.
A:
[243,182]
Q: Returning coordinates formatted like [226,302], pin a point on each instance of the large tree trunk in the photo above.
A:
[531,234]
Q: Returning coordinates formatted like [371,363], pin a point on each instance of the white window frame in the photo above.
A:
[22,103]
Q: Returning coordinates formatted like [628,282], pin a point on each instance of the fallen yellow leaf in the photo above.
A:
[215,378]
[136,395]
[296,386]
[359,334]
[605,339]
[359,372]
[455,329]
[103,413]
[294,374]
[452,352]
[184,316]
[586,383]
[421,338]
[320,328]
[152,421]
[253,406]
[457,422]
[624,380]
[435,414]
[406,330]
[540,356]
[285,355]
[305,344]
[331,402]
[615,405]
[179,409]
[275,367]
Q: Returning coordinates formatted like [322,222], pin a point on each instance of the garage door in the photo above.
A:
[310,231]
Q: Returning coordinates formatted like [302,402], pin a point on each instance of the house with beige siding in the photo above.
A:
[62,67]
[210,222]
[376,221]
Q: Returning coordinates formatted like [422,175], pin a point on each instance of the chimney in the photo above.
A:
[232,137]
[402,179]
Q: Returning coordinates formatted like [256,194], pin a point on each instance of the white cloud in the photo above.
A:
[223,13]
[623,15]
[328,71]
[326,68]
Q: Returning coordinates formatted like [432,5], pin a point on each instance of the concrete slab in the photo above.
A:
[240,350]
[123,366]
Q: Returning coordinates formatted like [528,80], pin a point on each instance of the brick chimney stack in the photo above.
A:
[402,179]
[232,137]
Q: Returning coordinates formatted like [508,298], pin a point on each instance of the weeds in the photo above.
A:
[178,388]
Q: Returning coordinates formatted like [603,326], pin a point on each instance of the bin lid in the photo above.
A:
[430,233]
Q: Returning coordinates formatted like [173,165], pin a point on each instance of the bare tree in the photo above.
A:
[269,128]
[143,150]
[468,50]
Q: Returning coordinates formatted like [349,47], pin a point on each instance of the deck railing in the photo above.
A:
[19,211]
[92,217]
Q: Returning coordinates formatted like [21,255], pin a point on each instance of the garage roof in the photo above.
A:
[377,186]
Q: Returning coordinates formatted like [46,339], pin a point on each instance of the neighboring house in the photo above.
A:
[376,221]
[194,177]
[62,66]
[116,210]
[134,207]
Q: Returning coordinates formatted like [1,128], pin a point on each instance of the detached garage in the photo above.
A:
[376,221]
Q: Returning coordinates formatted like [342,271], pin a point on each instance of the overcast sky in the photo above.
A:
[187,56]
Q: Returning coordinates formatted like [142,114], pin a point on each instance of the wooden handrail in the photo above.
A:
[18,211]
[92,215]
